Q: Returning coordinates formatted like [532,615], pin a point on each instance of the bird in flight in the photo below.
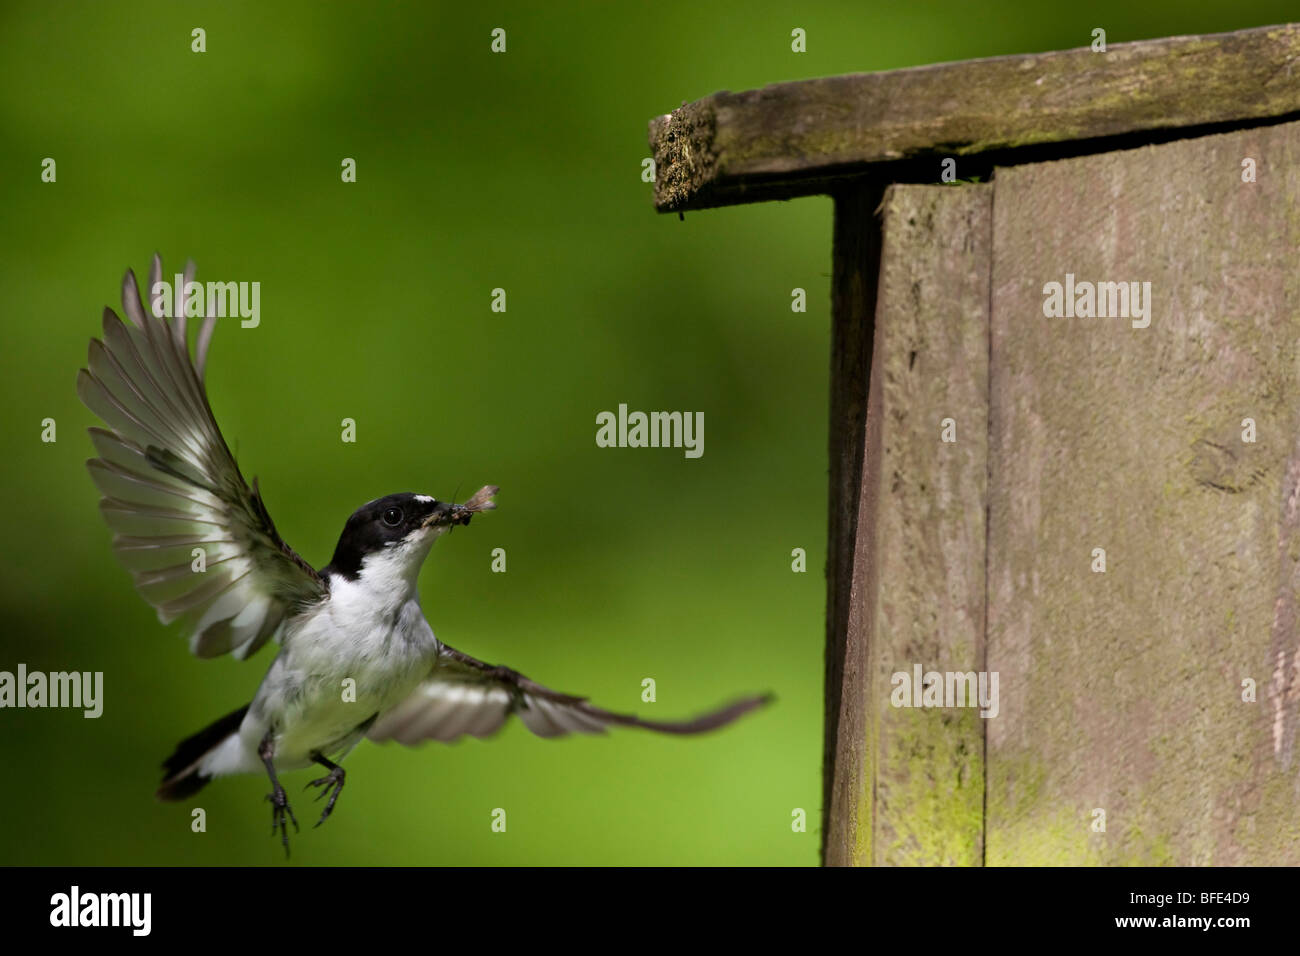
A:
[357,658]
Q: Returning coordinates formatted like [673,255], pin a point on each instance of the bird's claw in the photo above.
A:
[331,784]
[279,810]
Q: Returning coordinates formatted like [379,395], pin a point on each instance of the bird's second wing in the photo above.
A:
[463,696]
[170,486]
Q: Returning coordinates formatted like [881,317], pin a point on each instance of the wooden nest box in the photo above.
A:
[1065,443]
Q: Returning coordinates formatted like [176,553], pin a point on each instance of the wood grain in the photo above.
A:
[1122,691]
[798,138]
[908,784]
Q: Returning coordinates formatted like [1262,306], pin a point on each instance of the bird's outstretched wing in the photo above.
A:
[170,485]
[463,695]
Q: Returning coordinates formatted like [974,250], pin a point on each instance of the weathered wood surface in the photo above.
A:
[907,785]
[856,265]
[1122,691]
[795,138]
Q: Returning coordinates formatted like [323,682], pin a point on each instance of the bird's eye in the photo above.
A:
[393,517]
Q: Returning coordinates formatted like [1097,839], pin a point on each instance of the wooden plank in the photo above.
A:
[856,264]
[1122,691]
[908,785]
[794,138]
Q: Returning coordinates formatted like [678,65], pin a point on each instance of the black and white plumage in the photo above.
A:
[170,485]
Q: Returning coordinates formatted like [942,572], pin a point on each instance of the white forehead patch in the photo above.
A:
[425,498]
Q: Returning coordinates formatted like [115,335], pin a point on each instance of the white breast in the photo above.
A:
[362,651]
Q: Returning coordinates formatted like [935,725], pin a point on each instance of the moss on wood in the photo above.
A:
[793,138]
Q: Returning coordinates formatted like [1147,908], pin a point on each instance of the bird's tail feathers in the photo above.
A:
[184,769]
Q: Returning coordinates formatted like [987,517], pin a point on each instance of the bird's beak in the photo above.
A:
[440,515]
[452,514]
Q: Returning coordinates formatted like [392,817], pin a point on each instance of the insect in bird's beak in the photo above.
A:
[452,514]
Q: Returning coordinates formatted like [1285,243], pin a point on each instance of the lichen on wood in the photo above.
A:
[908,786]
[797,138]
[1122,689]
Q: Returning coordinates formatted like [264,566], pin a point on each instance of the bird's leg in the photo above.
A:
[279,800]
[332,783]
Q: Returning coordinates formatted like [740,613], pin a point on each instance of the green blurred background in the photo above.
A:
[475,171]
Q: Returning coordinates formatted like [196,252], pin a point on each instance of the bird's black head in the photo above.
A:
[388,522]
[403,528]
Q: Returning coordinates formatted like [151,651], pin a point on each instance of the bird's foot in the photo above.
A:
[280,810]
[332,784]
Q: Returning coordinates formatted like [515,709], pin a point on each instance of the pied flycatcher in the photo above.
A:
[170,485]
